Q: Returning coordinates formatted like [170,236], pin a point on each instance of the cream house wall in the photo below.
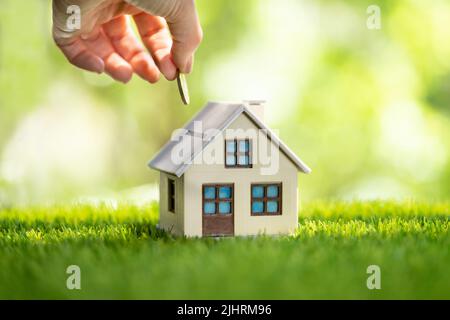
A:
[244,222]
[169,221]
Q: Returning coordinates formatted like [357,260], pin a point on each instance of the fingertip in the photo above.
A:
[96,63]
[184,45]
[158,40]
[181,66]
[145,67]
[89,62]
[78,55]
[118,69]
[150,74]
[123,74]
[168,68]
[184,63]
[153,78]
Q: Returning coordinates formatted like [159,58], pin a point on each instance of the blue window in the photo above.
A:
[225,192]
[224,207]
[217,199]
[257,191]
[243,160]
[209,192]
[257,207]
[209,208]
[244,145]
[238,153]
[272,206]
[272,191]
[266,199]
[231,161]
[231,146]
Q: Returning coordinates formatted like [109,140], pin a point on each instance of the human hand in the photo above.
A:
[105,42]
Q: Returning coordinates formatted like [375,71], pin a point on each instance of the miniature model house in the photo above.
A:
[225,173]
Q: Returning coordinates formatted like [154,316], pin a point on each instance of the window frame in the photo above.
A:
[171,196]
[265,198]
[236,153]
[216,199]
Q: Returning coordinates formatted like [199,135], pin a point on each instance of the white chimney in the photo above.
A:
[256,107]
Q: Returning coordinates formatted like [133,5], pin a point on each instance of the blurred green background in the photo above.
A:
[367,110]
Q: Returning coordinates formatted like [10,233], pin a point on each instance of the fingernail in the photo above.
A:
[98,69]
[98,65]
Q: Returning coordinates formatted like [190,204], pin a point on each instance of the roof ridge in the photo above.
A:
[230,112]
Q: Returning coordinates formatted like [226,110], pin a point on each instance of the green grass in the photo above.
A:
[122,255]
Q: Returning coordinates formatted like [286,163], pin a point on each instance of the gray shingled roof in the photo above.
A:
[215,115]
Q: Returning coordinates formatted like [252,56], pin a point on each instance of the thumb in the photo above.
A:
[184,25]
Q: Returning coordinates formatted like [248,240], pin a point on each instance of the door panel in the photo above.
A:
[218,209]
[218,226]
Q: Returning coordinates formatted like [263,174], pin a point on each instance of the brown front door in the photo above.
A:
[218,209]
